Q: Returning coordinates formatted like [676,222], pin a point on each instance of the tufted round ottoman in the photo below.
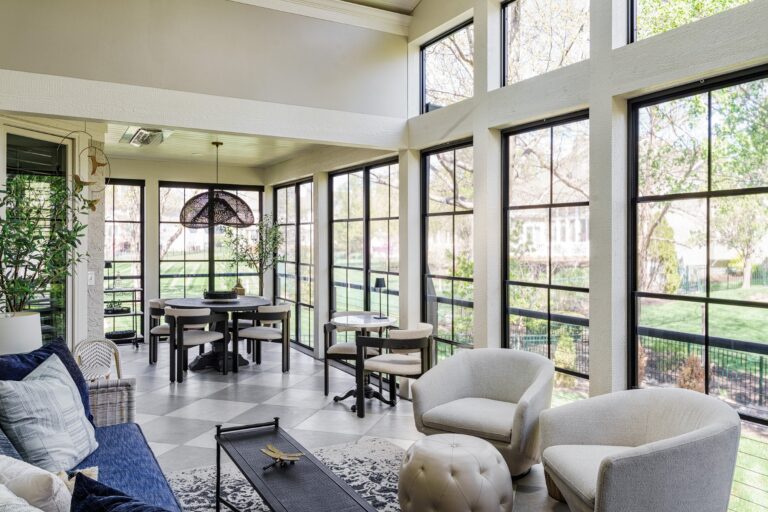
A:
[454,473]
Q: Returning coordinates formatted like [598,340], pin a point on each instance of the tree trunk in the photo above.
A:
[747,277]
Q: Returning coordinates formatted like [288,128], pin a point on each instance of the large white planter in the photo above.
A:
[20,332]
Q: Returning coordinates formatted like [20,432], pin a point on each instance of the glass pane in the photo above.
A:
[394,196]
[306,283]
[109,196]
[356,196]
[289,292]
[290,205]
[226,275]
[439,297]
[109,233]
[356,244]
[568,389]
[449,69]
[305,197]
[196,243]
[440,186]
[340,244]
[394,246]
[171,203]
[305,243]
[127,241]
[379,192]
[440,245]
[672,147]
[543,35]
[739,248]
[570,246]
[670,339]
[464,179]
[570,171]
[463,241]
[356,297]
[379,240]
[127,203]
[340,184]
[655,17]
[527,319]
[529,168]
[528,245]
[282,214]
[739,135]
[463,320]
[671,247]
[171,241]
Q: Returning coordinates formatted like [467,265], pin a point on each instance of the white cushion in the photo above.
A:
[480,417]
[261,333]
[161,330]
[43,416]
[192,338]
[41,489]
[9,502]
[394,364]
[349,349]
[578,465]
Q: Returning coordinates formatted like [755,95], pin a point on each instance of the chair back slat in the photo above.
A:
[156,308]
[193,318]
[421,330]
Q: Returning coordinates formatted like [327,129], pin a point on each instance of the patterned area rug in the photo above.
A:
[371,467]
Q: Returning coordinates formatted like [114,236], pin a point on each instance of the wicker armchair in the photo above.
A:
[112,401]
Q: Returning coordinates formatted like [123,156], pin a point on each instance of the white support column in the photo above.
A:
[321,290]
[608,210]
[410,238]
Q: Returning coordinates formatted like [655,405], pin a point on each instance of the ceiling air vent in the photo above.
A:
[138,136]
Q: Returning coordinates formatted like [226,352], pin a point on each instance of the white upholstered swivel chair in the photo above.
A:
[494,394]
[641,450]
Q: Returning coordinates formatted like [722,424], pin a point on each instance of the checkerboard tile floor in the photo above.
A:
[179,419]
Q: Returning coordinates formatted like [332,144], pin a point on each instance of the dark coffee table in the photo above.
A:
[308,485]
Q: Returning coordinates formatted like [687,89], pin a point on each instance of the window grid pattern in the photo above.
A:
[124,250]
[294,271]
[447,68]
[546,264]
[195,260]
[448,264]
[365,239]
[698,249]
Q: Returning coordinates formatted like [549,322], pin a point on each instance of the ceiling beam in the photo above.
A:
[340,12]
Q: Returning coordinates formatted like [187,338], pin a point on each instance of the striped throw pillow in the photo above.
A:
[43,416]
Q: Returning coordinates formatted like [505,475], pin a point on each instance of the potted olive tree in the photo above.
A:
[259,253]
[41,234]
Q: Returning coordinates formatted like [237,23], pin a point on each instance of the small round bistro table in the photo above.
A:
[216,358]
[364,322]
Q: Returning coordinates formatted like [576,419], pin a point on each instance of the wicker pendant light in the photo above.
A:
[216,207]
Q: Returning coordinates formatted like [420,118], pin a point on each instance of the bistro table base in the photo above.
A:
[368,392]
[216,360]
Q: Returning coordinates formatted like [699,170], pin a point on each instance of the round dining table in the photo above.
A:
[216,358]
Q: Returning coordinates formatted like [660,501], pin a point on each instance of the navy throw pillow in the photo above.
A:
[18,366]
[92,496]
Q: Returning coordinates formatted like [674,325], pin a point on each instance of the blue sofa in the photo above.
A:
[124,458]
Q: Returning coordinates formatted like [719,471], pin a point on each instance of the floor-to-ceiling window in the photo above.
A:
[365,238]
[448,263]
[44,164]
[124,256]
[195,260]
[543,35]
[699,244]
[448,68]
[651,17]
[546,264]
[294,270]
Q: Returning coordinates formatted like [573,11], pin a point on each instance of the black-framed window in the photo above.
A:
[294,270]
[546,261]
[542,35]
[195,260]
[650,17]
[124,255]
[448,68]
[447,250]
[45,165]
[365,239]
[698,245]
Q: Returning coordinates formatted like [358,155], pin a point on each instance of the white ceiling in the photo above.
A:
[191,146]
[398,6]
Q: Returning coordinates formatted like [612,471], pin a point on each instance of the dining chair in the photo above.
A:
[186,327]
[344,351]
[158,329]
[265,319]
[404,353]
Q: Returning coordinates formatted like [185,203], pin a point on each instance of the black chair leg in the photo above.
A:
[235,355]
[201,349]
[180,365]
[186,360]
[325,361]
[257,351]
[392,390]
[151,360]
[172,356]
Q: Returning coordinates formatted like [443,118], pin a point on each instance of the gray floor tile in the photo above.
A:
[289,416]
[240,392]
[160,403]
[186,457]
[399,427]
[167,429]
[313,399]
[313,439]
[215,410]
[339,421]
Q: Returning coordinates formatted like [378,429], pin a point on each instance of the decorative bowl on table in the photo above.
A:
[220,296]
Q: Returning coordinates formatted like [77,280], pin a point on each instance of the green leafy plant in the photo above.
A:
[259,254]
[41,235]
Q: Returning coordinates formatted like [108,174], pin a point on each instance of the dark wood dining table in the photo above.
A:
[217,357]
